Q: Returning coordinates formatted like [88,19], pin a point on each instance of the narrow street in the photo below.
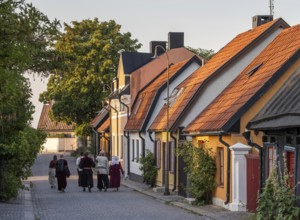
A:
[75,204]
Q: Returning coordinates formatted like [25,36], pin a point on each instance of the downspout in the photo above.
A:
[127,137]
[228,169]
[252,144]
[175,161]
[143,144]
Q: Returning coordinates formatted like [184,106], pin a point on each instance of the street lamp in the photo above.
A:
[166,177]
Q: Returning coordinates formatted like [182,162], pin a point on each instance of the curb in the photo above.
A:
[28,210]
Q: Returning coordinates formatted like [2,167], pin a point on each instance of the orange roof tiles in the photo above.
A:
[104,125]
[46,124]
[142,76]
[198,79]
[229,106]
[146,97]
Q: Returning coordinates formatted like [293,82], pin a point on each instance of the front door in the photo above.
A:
[252,181]
[290,160]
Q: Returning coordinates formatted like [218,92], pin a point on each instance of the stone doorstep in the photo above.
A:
[158,189]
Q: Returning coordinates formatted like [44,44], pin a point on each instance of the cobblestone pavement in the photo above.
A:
[133,201]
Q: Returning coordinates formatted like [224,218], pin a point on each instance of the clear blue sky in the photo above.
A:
[206,24]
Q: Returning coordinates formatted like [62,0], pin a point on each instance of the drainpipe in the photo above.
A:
[228,169]
[260,150]
[175,161]
[143,144]
[126,136]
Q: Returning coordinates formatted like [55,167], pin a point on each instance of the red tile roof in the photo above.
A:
[104,125]
[142,76]
[197,80]
[46,124]
[249,86]
[146,97]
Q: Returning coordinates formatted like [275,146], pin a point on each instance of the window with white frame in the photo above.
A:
[137,150]
[172,156]
[271,158]
[122,147]
[158,153]
[220,165]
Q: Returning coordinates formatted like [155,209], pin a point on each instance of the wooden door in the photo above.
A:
[252,181]
[290,160]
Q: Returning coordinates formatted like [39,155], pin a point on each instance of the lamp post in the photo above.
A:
[166,172]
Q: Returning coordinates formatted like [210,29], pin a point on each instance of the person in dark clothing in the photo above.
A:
[61,166]
[86,164]
[115,171]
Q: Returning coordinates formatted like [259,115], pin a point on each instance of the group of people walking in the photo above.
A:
[58,169]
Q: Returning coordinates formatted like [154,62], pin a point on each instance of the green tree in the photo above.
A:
[201,167]
[204,53]
[148,168]
[25,42]
[89,57]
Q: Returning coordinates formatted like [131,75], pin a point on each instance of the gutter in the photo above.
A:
[228,169]
[175,161]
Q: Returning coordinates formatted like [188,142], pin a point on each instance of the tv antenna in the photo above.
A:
[271,7]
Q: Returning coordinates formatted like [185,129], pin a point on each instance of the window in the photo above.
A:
[113,141]
[220,165]
[117,144]
[138,104]
[254,69]
[172,156]
[290,163]
[137,150]
[122,147]
[133,150]
[174,95]
[157,155]
[271,158]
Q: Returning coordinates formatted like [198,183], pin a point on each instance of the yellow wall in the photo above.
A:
[213,141]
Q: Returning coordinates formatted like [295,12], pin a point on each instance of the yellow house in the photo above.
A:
[200,89]
[223,122]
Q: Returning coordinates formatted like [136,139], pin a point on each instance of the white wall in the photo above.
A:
[59,144]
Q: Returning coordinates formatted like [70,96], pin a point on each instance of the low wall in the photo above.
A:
[59,145]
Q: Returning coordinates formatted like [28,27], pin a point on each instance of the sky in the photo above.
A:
[206,24]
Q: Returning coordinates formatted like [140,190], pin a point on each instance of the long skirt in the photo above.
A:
[79,176]
[87,178]
[51,177]
[102,181]
[61,180]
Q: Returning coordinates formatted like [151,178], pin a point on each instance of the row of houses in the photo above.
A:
[243,102]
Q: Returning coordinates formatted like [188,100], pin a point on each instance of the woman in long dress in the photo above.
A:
[115,171]
[61,167]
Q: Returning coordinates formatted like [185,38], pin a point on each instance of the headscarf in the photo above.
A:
[114,160]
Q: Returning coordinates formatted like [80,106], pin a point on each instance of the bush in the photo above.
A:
[148,168]
[201,167]
[277,201]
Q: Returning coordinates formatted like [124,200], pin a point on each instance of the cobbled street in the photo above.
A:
[75,204]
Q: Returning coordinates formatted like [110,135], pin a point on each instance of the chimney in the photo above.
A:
[176,40]
[261,19]
[160,51]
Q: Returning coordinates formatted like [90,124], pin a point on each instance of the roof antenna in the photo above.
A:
[271,7]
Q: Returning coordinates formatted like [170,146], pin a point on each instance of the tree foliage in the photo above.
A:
[204,53]
[89,59]
[26,36]
[201,168]
[148,168]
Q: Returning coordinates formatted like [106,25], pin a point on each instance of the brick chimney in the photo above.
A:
[176,40]
[160,51]
[261,19]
